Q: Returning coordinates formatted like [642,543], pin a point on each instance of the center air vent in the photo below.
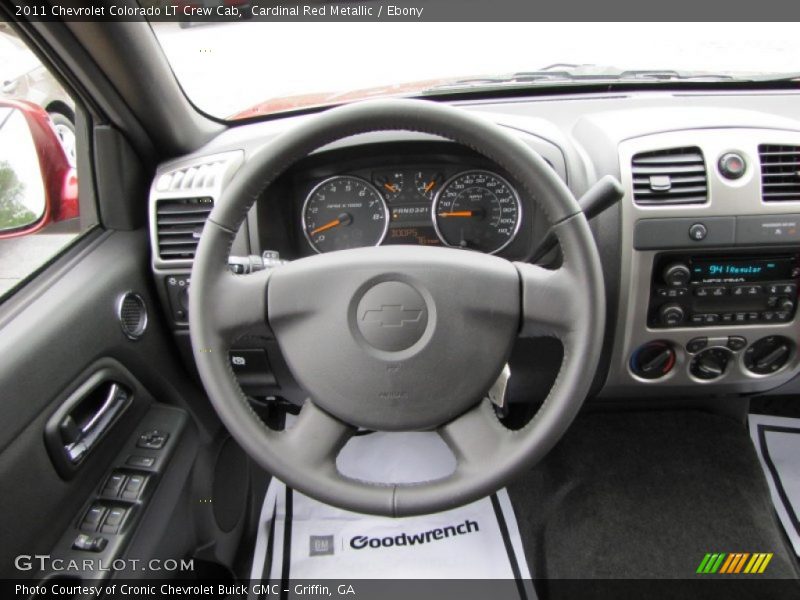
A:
[179,223]
[674,176]
[780,172]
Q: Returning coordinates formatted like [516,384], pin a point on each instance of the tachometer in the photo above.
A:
[478,210]
[344,212]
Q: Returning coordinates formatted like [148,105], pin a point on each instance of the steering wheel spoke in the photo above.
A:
[240,304]
[476,437]
[548,301]
[316,438]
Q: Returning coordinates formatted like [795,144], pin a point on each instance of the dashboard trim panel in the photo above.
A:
[726,198]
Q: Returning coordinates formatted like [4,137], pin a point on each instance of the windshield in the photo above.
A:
[246,69]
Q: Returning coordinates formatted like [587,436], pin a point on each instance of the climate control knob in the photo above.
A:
[676,274]
[653,360]
[671,314]
[710,364]
[768,355]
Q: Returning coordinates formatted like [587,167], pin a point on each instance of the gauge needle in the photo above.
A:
[329,225]
[458,213]
[342,219]
[390,186]
[429,186]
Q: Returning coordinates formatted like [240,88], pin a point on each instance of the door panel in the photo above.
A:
[52,342]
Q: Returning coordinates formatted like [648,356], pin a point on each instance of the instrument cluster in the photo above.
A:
[469,208]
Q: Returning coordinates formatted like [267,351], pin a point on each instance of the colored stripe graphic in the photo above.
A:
[734,563]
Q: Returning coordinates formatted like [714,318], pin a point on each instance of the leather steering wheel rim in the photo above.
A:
[567,303]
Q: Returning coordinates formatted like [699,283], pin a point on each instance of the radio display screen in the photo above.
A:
[724,270]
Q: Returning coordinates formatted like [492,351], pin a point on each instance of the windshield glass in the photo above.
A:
[239,70]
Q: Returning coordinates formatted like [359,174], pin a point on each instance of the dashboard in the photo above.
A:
[701,256]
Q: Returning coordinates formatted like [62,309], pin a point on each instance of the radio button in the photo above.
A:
[748,290]
[753,316]
[672,292]
[786,289]
[768,316]
[726,317]
[740,317]
[698,319]
[710,319]
[783,315]
[696,344]
[711,290]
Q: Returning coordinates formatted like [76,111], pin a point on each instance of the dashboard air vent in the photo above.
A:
[780,172]
[196,177]
[179,223]
[673,176]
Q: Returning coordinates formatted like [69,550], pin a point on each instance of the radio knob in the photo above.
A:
[671,314]
[676,274]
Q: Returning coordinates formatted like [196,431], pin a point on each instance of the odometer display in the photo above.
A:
[344,212]
[477,210]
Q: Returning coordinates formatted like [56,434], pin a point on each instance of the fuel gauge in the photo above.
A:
[428,183]
[390,184]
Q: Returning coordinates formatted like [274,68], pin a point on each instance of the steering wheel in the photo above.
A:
[398,338]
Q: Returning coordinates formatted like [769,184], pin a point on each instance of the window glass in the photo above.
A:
[39,209]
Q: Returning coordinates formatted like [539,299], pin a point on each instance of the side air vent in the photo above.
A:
[780,172]
[197,177]
[674,176]
[179,223]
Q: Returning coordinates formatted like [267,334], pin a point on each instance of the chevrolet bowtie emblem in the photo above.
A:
[392,315]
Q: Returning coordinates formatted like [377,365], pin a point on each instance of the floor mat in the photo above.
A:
[646,495]
[301,538]
[777,442]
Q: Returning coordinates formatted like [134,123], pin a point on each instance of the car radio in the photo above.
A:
[708,290]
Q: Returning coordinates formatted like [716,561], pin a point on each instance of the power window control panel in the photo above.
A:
[109,519]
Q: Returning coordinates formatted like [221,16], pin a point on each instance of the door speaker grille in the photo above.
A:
[132,315]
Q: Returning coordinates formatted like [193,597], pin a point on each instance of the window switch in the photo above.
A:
[89,543]
[114,519]
[134,487]
[91,520]
[114,484]
[153,440]
[140,461]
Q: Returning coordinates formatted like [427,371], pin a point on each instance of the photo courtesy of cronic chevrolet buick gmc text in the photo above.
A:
[390,321]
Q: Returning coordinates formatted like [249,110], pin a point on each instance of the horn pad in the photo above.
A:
[395,338]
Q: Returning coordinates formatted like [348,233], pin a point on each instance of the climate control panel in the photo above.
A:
[709,290]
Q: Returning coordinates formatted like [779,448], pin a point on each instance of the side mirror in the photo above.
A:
[37,184]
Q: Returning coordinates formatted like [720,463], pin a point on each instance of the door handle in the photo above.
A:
[109,407]
[88,417]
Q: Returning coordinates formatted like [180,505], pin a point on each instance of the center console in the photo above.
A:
[710,263]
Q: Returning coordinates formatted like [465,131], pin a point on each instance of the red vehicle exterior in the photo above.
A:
[60,179]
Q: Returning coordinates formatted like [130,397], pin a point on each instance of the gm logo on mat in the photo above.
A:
[734,563]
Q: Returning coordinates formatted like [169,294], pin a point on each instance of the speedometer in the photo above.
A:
[344,212]
[478,210]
